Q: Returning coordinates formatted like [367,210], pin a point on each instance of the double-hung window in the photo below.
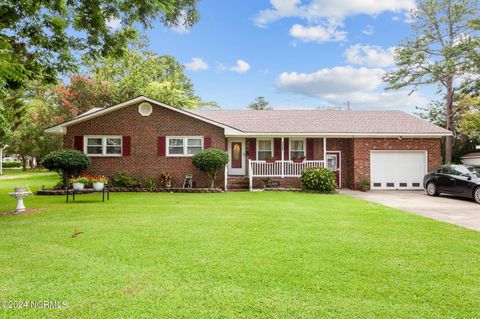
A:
[264,150]
[103,145]
[184,146]
[297,149]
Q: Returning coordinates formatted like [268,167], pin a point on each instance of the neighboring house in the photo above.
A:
[471,158]
[144,137]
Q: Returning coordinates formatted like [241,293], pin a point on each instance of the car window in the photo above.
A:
[474,170]
[446,170]
[461,170]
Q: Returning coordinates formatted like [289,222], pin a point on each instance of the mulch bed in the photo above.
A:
[27,211]
[297,190]
[134,190]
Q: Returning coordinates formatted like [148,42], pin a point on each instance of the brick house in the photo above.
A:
[144,137]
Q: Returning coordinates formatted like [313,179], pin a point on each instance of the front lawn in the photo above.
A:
[233,255]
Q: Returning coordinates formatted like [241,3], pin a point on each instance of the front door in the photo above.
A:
[333,164]
[236,151]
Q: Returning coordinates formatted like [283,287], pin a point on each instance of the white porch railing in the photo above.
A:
[278,169]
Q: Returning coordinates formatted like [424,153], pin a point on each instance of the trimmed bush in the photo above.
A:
[318,179]
[210,161]
[11,164]
[122,179]
[67,163]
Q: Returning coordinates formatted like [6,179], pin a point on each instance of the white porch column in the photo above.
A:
[324,151]
[1,160]
[283,157]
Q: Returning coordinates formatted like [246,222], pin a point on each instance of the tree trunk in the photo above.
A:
[450,125]
[24,162]
[212,184]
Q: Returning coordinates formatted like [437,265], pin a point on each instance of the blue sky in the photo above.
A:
[298,54]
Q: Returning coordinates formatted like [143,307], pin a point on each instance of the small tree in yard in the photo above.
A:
[210,161]
[67,163]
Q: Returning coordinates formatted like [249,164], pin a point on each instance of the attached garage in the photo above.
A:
[397,169]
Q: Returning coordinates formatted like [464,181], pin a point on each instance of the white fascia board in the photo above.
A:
[343,135]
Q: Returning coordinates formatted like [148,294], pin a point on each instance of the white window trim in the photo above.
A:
[290,147]
[271,145]
[104,145]
[185,145]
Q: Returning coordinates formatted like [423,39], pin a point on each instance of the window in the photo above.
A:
[297,149]
[184,146]
[264,150]
[103,145]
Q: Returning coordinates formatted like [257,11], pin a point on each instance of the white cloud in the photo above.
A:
[239,67]
[368,30]
[337,80]
[316,10]
[114,23]
[317,33]
[370,55]
[197,64]
[362,87]
[181,28]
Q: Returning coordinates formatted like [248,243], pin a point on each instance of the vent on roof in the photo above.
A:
[145,109]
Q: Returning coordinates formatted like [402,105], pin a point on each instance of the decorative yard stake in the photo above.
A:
[20,193]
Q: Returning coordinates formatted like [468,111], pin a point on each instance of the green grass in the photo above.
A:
[233,255]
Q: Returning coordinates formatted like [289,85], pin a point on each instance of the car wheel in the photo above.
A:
[476,195]
[432,189]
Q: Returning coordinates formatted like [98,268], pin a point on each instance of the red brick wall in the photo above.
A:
[144,131]
[363,146]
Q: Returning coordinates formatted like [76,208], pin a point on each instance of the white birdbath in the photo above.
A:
[20,193]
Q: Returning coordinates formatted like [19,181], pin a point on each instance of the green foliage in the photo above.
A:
[151,185]
[66,162]
[80,179]
[260,103]
[210,161]
[444,48]
[11,164]
[365,182]
[318,179]
[37,41]
[141,72]
[123,179]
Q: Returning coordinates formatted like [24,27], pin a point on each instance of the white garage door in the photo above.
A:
[397,169]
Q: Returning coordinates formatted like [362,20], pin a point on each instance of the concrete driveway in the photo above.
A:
[454,210]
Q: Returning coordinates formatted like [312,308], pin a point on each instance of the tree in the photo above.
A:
[444,48]
[67,163]
[260,103]
[41,38]
[470,121]
[142,72]
[81,94]
[210,161]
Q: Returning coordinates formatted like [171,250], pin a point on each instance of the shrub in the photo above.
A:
[210,161]
[122,179]
[11,164]
[67,163]
[318,179]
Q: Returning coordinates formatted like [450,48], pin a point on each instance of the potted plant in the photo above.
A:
[78,183]
[364,185]
[270,159]
[298,159]
[98,182]
[166,179]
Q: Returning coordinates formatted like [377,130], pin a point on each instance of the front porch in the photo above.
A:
[280,159]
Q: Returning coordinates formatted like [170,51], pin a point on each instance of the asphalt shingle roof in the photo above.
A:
[322,121]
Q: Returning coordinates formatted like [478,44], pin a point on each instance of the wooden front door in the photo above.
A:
[333,164]
[236,150]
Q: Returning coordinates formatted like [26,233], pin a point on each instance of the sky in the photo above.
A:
[297,54]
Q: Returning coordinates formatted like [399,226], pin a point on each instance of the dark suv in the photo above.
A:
[461,180]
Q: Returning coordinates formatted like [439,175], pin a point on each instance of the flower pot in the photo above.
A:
[168,184]
[98,186]
[298,160]
[364,188]
[78,186]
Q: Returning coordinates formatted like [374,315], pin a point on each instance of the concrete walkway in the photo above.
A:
[454,210]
